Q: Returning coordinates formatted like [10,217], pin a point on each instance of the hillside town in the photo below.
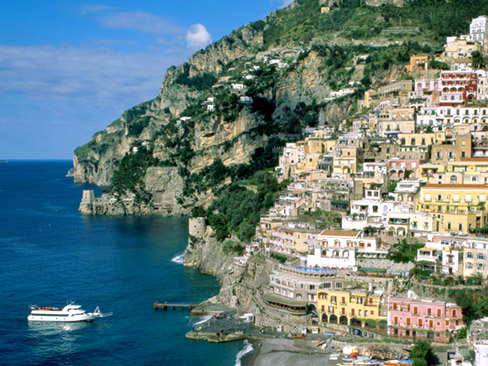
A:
[383,227]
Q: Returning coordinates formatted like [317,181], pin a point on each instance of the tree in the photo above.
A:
[477,60]
[422,354]
[438,65]
[403,252]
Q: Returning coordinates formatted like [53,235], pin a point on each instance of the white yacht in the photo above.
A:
[70,313]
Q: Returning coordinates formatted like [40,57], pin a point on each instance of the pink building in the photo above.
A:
[458,87]
[423,318]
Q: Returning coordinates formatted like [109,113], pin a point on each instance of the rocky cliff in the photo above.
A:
[241,283]
[237,102]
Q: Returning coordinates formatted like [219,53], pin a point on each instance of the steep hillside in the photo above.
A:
[225,114]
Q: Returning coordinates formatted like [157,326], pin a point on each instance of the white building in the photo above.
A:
[238,86]
[370,207]
[443,116]
[481,352]
[478,29]
[246,100]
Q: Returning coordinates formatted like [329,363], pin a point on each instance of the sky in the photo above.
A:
[69,68]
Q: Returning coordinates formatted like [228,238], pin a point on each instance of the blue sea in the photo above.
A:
[51,255]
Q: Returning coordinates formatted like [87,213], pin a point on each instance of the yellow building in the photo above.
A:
[464,171]
[396,121]
[346,160]
[460,49]
[420,139]
[349,307]
[456,207]
[316,145]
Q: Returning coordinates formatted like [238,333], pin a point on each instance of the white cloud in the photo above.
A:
[88,9]
[198,36]
[286,3]
[140,21]
[81,75]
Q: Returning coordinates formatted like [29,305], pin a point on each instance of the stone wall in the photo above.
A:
[381,2]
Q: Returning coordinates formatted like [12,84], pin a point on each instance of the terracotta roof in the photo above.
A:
[474,159]
[466,186]
[339,232]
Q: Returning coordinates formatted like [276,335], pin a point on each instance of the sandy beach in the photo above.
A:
[286,352]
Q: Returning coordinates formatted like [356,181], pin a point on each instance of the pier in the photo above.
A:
[159,306]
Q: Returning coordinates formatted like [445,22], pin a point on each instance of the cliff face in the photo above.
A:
[241,284]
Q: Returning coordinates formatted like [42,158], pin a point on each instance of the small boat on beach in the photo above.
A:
[69,314]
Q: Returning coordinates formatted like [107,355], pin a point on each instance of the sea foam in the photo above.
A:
[203,320]
[180,258]
[248,348]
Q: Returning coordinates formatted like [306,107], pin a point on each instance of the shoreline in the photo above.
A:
[286,352]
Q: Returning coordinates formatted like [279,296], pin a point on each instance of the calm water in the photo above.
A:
[50,255]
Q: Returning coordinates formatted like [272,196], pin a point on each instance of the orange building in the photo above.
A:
[418,62]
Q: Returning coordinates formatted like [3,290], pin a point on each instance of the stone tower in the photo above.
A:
[87,201]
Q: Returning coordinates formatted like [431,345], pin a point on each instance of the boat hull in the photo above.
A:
[61,319]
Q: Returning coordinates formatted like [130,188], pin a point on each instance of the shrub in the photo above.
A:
[403,252]
[203,81]
[237,209]
[129,175]
[279,257]
[439,65]
[135,127]
[231,246]
[422,354]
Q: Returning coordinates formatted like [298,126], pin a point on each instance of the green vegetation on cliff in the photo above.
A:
[200,82]
[238,207]
[473,302]
[129,175]
[404,252]
[321,219]
[420,20]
